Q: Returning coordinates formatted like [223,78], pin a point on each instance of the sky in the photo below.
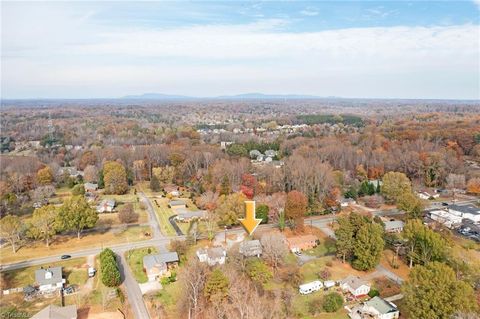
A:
[368,49]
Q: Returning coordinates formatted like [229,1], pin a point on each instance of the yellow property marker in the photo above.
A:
[250,222]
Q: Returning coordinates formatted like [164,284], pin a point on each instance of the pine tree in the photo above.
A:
[154,183]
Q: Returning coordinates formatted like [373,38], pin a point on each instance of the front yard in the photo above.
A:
[66,244]
[134,258]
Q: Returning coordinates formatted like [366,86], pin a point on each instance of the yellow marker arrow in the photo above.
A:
[250,222]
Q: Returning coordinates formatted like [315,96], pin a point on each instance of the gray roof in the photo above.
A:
[41,274]
[353,281]
[469,209]
[251,247]
[176,203]
[213,252]
[186,214]
[149,261]
[393,224]
[56,312]
[382,306]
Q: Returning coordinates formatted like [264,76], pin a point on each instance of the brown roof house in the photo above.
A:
[56,312]
[302,242]
[355,286]
[159,265]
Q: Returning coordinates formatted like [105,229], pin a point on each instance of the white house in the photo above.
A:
[310,287]
[427,195]
[465,211]
[49,279]
[329,283]
[212,256]
[447,218]
[375,308]
[355,286]
[107,205]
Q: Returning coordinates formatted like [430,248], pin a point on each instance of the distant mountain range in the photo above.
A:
[253,96]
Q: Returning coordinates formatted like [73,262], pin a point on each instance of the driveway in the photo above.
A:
[152,217]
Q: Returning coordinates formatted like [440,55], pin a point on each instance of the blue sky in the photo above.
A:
[387,49]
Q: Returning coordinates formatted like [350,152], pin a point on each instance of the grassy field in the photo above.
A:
[168,298]
[338,270]
[301,307]
[135,261]
[66,244]
[74,270]
[326,247]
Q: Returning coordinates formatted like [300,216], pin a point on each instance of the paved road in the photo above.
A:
[134,294]
[152,217]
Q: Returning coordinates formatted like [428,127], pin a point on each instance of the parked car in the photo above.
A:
[65,257]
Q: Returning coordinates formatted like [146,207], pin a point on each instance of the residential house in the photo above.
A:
[212,256]
[345,202]
[159,265]
[470,212]
[49,279]
[445,218]
[355,286]
[57,312]
[427,195]
[393,226]
[229,241]
[90,187]
[71,171]
[172,190]
[375,308]
[251,248]
[186,216]
[106,206]
[302,242]
[177,204]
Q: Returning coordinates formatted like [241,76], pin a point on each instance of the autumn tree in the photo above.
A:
[473,186]
[45,176]
[44,220]
[258,271]
[76,214]
[296,208]
[43,193]
[115,177]
[87,158]
[395,185]
[90,174]
[127,214]
[10,228]
[411,204]
[433,291]
[230,208]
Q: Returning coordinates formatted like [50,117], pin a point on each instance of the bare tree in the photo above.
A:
[274,248]
[192,279]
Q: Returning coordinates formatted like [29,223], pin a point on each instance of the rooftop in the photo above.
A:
[466,209]
[150,261]
[381,305]
[353,281]
[46,276]
[56,312]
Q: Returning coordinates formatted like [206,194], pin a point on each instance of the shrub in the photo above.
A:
[258,271]
[78,190]
[373,293]
[127,215]
[332,302]
[325,274]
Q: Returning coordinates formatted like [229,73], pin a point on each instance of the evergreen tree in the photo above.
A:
[216,286]
[368,247]
[225,187]
[154,183]
[262,212]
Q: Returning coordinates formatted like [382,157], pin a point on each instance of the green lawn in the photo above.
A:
[301,307]
[163,213]
[326,247]
[135,261]
[168,298]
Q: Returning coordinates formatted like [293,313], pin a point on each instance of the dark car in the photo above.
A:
[65,257]
[444,204]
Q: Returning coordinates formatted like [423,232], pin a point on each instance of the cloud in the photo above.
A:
[71,53]
[309,12]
